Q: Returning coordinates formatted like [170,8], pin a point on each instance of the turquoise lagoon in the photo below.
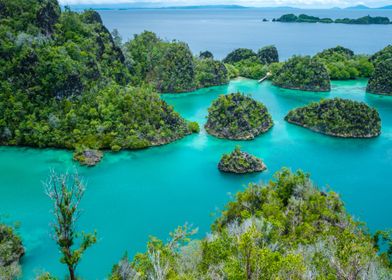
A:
[134,194]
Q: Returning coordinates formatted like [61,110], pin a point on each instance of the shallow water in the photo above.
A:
[131,195]
[222,30]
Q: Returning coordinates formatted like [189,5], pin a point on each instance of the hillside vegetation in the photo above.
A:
[303,73]
[237,117]
[338,117]
[284,229]
[65,83]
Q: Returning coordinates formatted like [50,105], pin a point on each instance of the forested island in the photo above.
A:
[237,117]
[240,162]
[303,73]
[303,18]
[338,117]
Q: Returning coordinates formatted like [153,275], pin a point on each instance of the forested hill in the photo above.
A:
[65,82]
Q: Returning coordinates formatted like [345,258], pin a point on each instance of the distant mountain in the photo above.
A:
[162,5]
[358,7]
[363,7]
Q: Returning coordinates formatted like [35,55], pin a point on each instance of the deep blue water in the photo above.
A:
[222,30]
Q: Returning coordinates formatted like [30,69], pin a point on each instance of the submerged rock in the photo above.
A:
[237,117]
[88,157]
[338,117]
[240,162]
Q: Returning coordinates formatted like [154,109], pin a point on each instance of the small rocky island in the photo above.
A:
[240,163]
[381,80]
[237,117]
[338,117]
[88,157]
[303,73]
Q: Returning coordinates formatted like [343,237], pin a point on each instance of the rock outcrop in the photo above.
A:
[240,163]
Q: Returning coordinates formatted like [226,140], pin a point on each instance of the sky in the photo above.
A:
[253,3]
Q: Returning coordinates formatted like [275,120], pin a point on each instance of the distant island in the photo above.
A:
[303,18]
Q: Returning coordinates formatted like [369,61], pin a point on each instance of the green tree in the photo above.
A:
[66,192]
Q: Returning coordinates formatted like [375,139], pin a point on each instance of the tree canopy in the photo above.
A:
[65,83]
[338,117]
[239,117]
[303,73]
[381,80]
[343,64]
[285,229]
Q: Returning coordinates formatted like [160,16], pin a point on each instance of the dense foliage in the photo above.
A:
[210,72]
[245,63]
[342,64]
[11,250]
[238,55]
[170,66]
[381,80]
[268,55]
[286,229]
[382,55]
[240,162]
[303,73]
[63,83]
[206,54]
[302,18]
[238,117]
[338,117]
[364,20]
[313,19]
[251,68]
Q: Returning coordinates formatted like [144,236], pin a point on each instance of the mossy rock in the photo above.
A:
[338,117]
[237,117]
[303,73]
[88,157]
[381,80]
[11,248]
[240,163]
